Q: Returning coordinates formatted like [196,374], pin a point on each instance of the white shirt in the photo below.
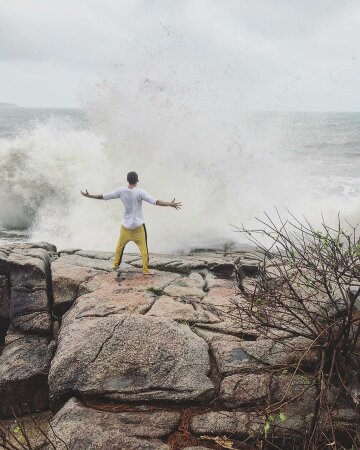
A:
[132,200]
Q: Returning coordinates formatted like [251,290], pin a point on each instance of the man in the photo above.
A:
[132,226]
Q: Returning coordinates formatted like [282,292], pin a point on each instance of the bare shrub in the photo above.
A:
[308,289]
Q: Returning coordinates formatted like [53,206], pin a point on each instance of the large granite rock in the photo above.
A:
[27,269]
[129,358]
[80,427]
[24,367]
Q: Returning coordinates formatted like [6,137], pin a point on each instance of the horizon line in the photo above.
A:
[9,105]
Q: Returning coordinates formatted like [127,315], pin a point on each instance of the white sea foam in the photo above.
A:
[224,166]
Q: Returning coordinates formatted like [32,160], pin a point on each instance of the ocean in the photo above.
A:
[225,173]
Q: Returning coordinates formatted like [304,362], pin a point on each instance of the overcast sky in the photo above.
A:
[270,54]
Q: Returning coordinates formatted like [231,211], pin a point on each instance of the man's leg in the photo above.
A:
[123,240]
[140,240]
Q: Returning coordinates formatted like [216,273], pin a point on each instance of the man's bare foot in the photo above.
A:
[119,275]
[149,272]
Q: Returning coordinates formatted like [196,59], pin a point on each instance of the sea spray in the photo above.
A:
[225,166]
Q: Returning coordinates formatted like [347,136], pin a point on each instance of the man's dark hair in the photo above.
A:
[132,177]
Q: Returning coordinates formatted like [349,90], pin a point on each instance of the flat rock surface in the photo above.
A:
[85,428]
[86,261]
[122,357]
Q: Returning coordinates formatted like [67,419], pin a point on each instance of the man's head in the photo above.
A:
[132,178]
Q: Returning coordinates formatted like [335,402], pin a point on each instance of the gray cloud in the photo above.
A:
[266,55]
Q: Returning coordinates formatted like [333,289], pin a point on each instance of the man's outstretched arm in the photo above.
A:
[97,196]
[173,204]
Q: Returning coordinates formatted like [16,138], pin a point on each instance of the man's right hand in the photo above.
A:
[85,194]
[176,205]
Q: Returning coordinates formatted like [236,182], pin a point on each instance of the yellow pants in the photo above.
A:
[139,236]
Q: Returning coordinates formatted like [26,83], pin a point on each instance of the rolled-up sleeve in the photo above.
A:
[112,195]
[148,198]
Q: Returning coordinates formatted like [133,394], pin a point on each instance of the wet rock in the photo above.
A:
[24,366]
[227,422]
[130,358]
[86,428]
[242,389]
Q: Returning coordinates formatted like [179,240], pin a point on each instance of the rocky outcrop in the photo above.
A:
[85,428]
[26,281]
[141,362]
[128,358]
[24,368]
[25,306]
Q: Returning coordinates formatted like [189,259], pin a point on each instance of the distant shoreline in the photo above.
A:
[8,105]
